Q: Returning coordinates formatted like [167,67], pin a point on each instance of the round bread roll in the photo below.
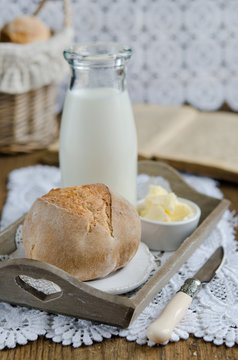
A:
[88,231]
[25,29]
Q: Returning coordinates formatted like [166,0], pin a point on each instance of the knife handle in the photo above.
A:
[161,329]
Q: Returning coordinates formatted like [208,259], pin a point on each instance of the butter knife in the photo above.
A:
[161,329]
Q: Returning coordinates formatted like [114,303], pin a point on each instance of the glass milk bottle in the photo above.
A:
[98,137]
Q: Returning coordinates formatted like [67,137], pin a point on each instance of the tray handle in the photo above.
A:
[74,299]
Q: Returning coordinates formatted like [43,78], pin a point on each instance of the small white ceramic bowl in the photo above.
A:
[168,236]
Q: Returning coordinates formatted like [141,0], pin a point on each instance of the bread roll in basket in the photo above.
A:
[32,66]
[88,231]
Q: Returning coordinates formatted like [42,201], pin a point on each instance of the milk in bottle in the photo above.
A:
[98,136]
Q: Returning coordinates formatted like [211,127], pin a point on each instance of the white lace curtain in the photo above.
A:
[184,50]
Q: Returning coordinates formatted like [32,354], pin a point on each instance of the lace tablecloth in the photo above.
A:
[213,314]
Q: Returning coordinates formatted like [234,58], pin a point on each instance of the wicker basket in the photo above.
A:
[27,120]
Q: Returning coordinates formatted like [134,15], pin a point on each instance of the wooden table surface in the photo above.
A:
[115,348]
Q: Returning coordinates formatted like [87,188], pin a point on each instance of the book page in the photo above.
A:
[157,125]
[200,142]
[212,139]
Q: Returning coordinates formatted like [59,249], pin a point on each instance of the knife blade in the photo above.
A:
[161,329]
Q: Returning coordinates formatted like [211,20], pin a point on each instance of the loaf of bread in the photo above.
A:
[88,231]
[25,29]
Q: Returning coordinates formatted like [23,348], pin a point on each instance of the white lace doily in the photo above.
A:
[213,314]
[184,50]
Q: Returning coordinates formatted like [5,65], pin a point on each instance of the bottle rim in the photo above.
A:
[97,54]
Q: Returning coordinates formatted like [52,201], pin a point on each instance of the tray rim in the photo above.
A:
[128,309]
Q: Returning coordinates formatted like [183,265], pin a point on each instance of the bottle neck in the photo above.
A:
[99,77]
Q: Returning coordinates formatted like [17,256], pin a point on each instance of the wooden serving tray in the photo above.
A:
[82,301]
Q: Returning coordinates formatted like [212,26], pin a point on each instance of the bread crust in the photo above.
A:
[25,29]
[66,238]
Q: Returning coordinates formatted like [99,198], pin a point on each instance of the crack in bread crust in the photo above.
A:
[108,201]
[92,201]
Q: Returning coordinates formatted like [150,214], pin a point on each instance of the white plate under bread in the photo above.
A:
[130,277]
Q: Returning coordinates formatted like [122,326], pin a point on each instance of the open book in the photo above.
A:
[188,139]
[200,142]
